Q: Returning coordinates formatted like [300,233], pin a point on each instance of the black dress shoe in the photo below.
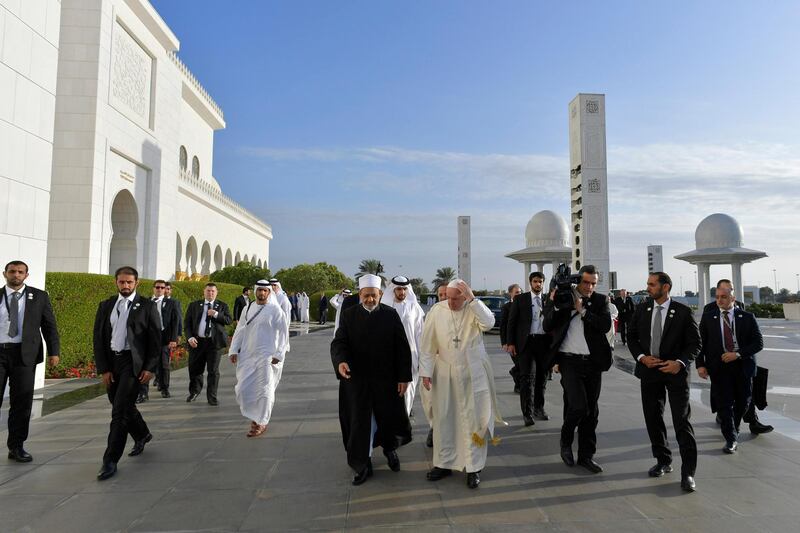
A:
[757,428]
[473,480]
[165,394]
[590,465]
[540,414]
[141,398]
[394,461]
[659,469]
[718,420]
[688,484]
[436,473]
[516,389]
[192,397]
[138,446]
[106,471]
[213,401]
[429,440]
[362,476]
[20,455]
[566,456]
[730,447]
[528,421]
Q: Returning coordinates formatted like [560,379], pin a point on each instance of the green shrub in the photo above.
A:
[75,299]
[766,310]
[313,306]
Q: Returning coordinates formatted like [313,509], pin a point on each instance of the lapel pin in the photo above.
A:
[649,308]
[30,296]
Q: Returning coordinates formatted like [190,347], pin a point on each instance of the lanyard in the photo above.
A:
[254,316]
[5,299]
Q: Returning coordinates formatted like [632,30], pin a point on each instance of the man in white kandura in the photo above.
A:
[337,302]
[258,350]
[400,295]
[280,298]
[304,304]
[455,367]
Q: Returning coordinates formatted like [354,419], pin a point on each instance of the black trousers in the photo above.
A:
[125,417]
[581,383]
[162,374]
[622,327]
[514,370]
[732,391]
[204,358]
[323,315]
[655,392]
[532,374]
[20,378]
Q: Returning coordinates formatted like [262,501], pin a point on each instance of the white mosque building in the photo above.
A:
[107,146]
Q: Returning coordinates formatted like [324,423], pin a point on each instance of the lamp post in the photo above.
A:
[775,276]
[798,283]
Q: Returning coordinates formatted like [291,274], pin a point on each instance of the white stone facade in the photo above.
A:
[28,60]
[133,153]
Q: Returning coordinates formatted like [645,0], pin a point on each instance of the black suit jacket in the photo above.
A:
[179,308]
[238,306]
[596,323]
[625,307]
[170,321]
[748,340]
[504,312]
[144,335]
[38,321]
[520,317]
[194,313]
[680,338]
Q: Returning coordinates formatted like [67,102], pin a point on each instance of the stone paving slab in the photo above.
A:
[200,473]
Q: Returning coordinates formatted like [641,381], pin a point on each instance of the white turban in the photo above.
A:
[369,281]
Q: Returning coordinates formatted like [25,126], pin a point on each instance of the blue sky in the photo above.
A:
[372,125]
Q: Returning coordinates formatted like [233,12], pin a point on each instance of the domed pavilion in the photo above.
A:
[718,241]
[547,242]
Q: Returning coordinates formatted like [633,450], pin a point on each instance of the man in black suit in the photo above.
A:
[25,317]
[750,415]
[664,340]
[127,349]
[323,309]
[529,344]
[177,303]
[513,291]
[624,305]
[730,339]
[205,329]
[240,303]
[581,350]
[170,314]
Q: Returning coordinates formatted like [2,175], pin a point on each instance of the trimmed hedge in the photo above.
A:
[75,298]
[313,305]
[766,310]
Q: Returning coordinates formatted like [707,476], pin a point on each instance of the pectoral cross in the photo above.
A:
[456,340]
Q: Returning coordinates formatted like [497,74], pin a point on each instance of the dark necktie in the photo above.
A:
[207,332]
[13,314]
[727,332]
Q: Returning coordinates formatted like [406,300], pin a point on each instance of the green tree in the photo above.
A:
[418,286]
[766,294]
[244,274]
[313,278]
[370,266]
[444,276]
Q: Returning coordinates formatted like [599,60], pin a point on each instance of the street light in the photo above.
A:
[798,283]
[775,275]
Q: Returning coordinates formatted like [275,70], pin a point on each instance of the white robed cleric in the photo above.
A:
[261,336]
[412,316]
[461,405]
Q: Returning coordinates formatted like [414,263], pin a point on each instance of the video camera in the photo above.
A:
[564,282]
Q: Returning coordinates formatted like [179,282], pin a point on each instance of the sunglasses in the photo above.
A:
[159,286]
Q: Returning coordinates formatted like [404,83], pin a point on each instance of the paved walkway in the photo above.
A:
[200,473]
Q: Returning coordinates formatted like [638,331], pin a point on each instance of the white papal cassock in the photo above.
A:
[261,335]
[461,405]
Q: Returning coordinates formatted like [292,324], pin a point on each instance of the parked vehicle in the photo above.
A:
[495,305]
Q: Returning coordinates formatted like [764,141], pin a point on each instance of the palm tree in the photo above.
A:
[370,266]
[444,276]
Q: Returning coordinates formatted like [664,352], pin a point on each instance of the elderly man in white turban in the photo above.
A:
[400,295]
[372,360]
[455,368]
[258,350]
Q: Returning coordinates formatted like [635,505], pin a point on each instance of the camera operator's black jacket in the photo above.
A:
[596,323]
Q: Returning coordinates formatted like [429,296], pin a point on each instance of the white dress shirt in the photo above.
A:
[536,315]
[733,327]
[5,319]
[201,328]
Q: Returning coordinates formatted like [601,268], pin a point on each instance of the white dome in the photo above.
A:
[546,228]
[718,231]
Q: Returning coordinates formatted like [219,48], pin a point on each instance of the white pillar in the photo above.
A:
[736,279]
[527,274]
[702,285]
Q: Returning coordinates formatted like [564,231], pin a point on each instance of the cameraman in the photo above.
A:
[582,352]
